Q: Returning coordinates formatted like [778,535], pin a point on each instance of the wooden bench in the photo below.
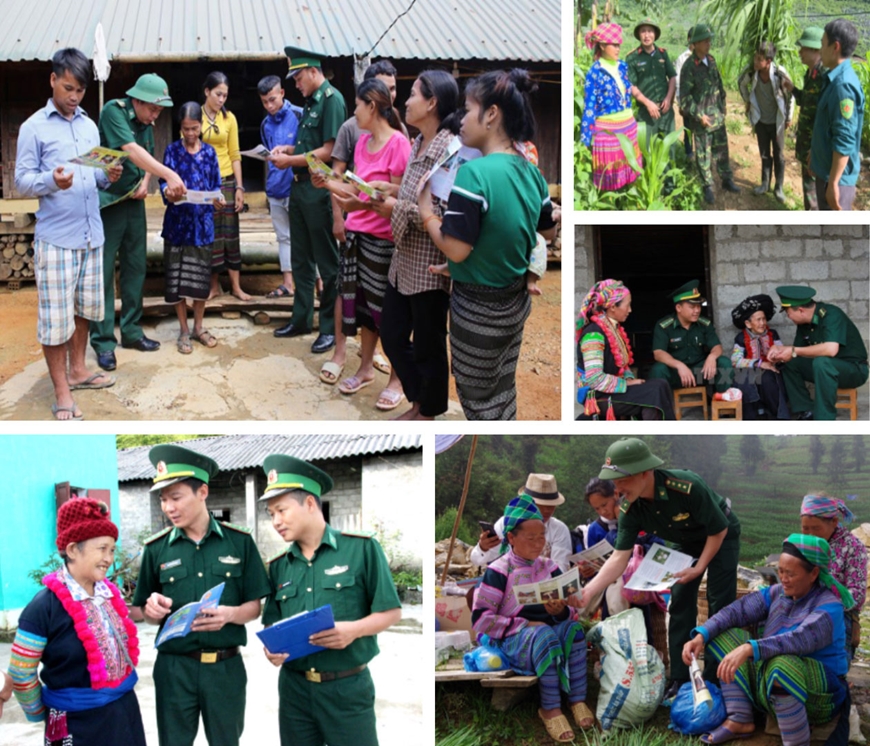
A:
[693,396]
[848,399]
[727,410]
[508,687]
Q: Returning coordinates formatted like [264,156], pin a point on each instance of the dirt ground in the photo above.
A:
[249,375]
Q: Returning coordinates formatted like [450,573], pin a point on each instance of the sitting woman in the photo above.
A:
[797,670]
[604,355]
[757,378]
[820,516]
[537,639]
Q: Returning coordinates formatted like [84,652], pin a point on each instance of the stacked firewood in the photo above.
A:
[16,256]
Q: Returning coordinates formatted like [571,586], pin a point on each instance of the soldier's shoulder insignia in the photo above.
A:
[236,527]
[158,535]
[329,92]
[823,312]
[359,534]
[678,485]
[666,322]
[279,555]
[120,103]
[847,108]
[703,321]
[663,50]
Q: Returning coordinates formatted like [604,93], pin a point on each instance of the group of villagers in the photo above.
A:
[794,668]
[829,126]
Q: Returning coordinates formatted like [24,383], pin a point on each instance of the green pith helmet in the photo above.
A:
[298,59]
[151,89]
[702,31]
[627,457]
[689,35]
[174,463]
[811,38]
[688,293]
[287,473]
[647,22]
[795,295]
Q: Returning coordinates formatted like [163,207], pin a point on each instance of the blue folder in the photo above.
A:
[291,635]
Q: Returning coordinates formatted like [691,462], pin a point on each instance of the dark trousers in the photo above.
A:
[724,374]
[414,336]
[765,135]
[847,195]
[828,374]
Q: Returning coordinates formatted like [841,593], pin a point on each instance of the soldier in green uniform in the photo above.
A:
[314,245]
[685,345]
[702,103]
[329,696]
[827,350]
[125,124]
[203,672]
[678,506]
[653,80]
[808,99]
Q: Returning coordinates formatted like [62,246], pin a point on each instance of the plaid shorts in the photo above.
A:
[69,283]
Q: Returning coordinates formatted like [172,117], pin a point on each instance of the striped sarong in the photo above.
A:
[610,168]
[486,332]
[187,272]
[226,252]
[365,263]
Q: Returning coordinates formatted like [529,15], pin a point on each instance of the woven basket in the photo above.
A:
[704,606]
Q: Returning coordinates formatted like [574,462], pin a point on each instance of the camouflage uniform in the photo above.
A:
[808,100]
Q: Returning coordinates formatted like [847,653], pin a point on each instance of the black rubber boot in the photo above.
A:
[729,186]
[780,181]
[708,195]
[765,178]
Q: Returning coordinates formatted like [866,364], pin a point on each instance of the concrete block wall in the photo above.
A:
[584,264]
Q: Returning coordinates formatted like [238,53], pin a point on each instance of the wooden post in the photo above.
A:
[461,508]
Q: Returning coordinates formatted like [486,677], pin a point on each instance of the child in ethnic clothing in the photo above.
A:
[188,229]
[538,639]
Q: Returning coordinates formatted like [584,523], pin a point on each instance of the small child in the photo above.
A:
[764,87]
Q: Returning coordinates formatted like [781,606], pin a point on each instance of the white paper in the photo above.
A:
[442,176]
[261,153]
[594,557]
[194,197]
[656,572]
[554,589]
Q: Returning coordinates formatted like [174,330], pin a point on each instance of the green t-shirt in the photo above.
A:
[118,127]
[177,567]
[349,573]
[322,116]
[689,346]
[830,324]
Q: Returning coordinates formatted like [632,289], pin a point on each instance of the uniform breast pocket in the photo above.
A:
[176,582]
[232,576]
[287,599]
[344,595]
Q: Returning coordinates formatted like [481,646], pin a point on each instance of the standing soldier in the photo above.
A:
[202,672]
[653,80]
[808,99]
[314,246]
[329,696]
[702,102]
[676,505]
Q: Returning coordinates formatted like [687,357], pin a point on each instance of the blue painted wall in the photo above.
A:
[31,465]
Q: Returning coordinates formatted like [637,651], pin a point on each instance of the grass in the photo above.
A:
[735,126]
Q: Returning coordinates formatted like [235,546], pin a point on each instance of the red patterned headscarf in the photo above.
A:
[606,33]
[601,296]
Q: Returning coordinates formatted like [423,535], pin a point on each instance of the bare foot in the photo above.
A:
[241,294]
[411,414]
[215,294]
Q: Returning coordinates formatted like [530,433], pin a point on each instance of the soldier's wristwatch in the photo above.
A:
[793,353]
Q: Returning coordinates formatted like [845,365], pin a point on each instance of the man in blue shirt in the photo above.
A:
[835,159]
[279,127]
[68,240]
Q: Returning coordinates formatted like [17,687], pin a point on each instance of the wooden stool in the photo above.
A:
[694,396]
[727,410]
[848,399]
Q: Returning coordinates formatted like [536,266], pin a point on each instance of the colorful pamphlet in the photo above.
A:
[700,692]
[658,570]
[103,158]
[554,589]
[291,635]
[179,623]
[443,174]
[195,197]
[594,557]
[351,178]
[318,166]
[261,153]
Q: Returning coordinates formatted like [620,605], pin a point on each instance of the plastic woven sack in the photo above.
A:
[692,721]
[484,658]
[632,673]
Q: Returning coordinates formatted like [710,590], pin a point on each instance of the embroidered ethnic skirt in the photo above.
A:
[610,168]
[365,263]
[226,253]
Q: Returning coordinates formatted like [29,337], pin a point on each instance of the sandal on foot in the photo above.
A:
[56,408]
[89,383]
[581,712]
[381,363]
[557,727]
[723,735]
[183,345]
[353,384]
[280,292]
[205,338]
[330,372]
[389,399]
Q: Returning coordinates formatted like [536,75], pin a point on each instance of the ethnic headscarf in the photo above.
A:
[601,296]
[749,306]
[521,508]
[822,506]
[606,33]
[817,552]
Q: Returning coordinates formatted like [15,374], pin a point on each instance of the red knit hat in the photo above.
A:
[83,518]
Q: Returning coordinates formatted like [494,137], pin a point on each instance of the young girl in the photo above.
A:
[188,230]
[538,639]
[497,204]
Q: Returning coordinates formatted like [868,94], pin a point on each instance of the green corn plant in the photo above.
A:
[646,192]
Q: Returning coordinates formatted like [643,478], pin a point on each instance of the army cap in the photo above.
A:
[627,457]
[702,31]
[174,464]
[287,473]
[794,295]
[647,22]
[690,34]
[151,89]
[811,38]
[298,59]
[687,293]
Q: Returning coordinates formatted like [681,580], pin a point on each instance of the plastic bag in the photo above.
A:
[485,658]
[638,598]
[632,673]
[692,721]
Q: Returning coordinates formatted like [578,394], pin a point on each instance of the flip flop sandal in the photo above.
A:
[556,727]
[205,338]
[389,399]
[723,735]
[55,408]
[183,345]
[381,363]
[330,372]
[280,292]
[353,384]
[89,382]
[580,712]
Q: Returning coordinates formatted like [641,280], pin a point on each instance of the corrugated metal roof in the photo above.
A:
[245,451]
[526,30]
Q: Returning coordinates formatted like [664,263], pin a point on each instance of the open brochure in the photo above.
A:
[291,635]
[261,153]
[195,197]
[656,572]
[351,178]
[443,174]
[318,166]
[554,589]
[103,158]
[594,557]
[179,623]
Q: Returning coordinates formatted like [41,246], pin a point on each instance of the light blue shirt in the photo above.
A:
[68,218]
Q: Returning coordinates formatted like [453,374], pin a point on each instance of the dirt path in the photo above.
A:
[249,375]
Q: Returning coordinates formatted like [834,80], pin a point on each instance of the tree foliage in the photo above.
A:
[859,452]
[837,463]
[132,441]
[751,452]
[817,451]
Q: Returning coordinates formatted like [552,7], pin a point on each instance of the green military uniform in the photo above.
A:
[328,696]
[651,73]
[202,672]
[684,510]
[689,346]
[847,369]
[808,99]
[314,246]
[124,218]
